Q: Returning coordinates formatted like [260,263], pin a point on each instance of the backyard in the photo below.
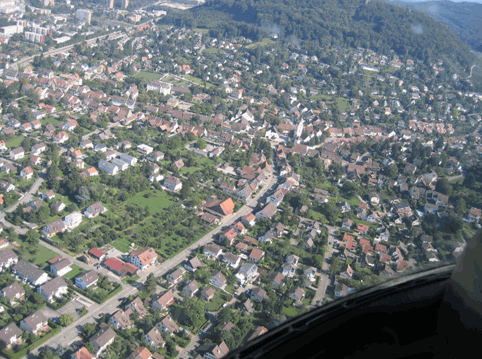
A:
[147,75]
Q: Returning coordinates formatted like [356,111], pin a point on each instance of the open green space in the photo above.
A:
[15,141]
[263,42]
[212,50]
[121,244]
[290,312]
[203,31]
[147,75]
[43,255]
[49,119]
[156,201]
[129,280]
[76,270]
[215,304]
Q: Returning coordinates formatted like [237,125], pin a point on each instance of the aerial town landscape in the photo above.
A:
[168,194]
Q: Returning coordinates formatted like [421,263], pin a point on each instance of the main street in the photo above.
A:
[164,267]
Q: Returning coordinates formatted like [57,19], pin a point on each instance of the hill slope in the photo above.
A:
[375,25]
[464,18]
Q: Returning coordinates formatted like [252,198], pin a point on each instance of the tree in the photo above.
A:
[275,320]
[83,195]
[443,186]
[88,330]
[150,283]
[194,312]
[201,144]
[470,180]
[90,347]
[46,353]
[350,189]
[460,206]
[65,320]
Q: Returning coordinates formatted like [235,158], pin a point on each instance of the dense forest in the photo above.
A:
[464,18]
[312,23]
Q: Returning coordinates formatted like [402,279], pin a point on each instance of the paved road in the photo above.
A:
[70,333]
[164,267]
[81,264]
[325,280]
[62,49]
[26,198]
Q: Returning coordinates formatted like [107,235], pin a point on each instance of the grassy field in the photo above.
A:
[129,280]
[342,104]
[147,75]
[122,245]
[290,312]
[203,31]
[157,201]
[76,270]
[48,119]
[263,42]
[43,255]
[212,50]
[216,303]
[15,141]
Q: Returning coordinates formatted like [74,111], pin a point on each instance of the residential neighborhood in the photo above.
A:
[158,183]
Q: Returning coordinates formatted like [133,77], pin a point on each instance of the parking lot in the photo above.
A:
[74,306]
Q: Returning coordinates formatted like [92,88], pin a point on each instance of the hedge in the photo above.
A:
[11,355]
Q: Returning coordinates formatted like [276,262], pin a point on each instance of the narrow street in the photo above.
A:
[325,271]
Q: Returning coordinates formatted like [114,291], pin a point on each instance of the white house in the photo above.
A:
[55,288]
[17,153]
[173,184]
[87,279]
[72,220]
[108,167]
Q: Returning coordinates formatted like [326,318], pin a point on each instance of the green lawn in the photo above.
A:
[214,304]
[122,245]
[43,255]
[230,288]
[129,280]
[76,270]
[157,201]
[342,104]
[203,31]
[211,50]
[49,119]
[263,42]
[15,141]
[290,312]
[147,75]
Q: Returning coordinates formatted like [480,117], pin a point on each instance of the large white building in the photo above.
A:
[84,15]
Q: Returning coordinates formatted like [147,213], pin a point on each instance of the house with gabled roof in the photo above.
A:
[35,323]
[164,301]
[13,293]
[193,264]
[10,335]
[218,279]
[87,279]
[191,288]
[154,338]
[54,288]
[143,258]
[167,325]
[102,339]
